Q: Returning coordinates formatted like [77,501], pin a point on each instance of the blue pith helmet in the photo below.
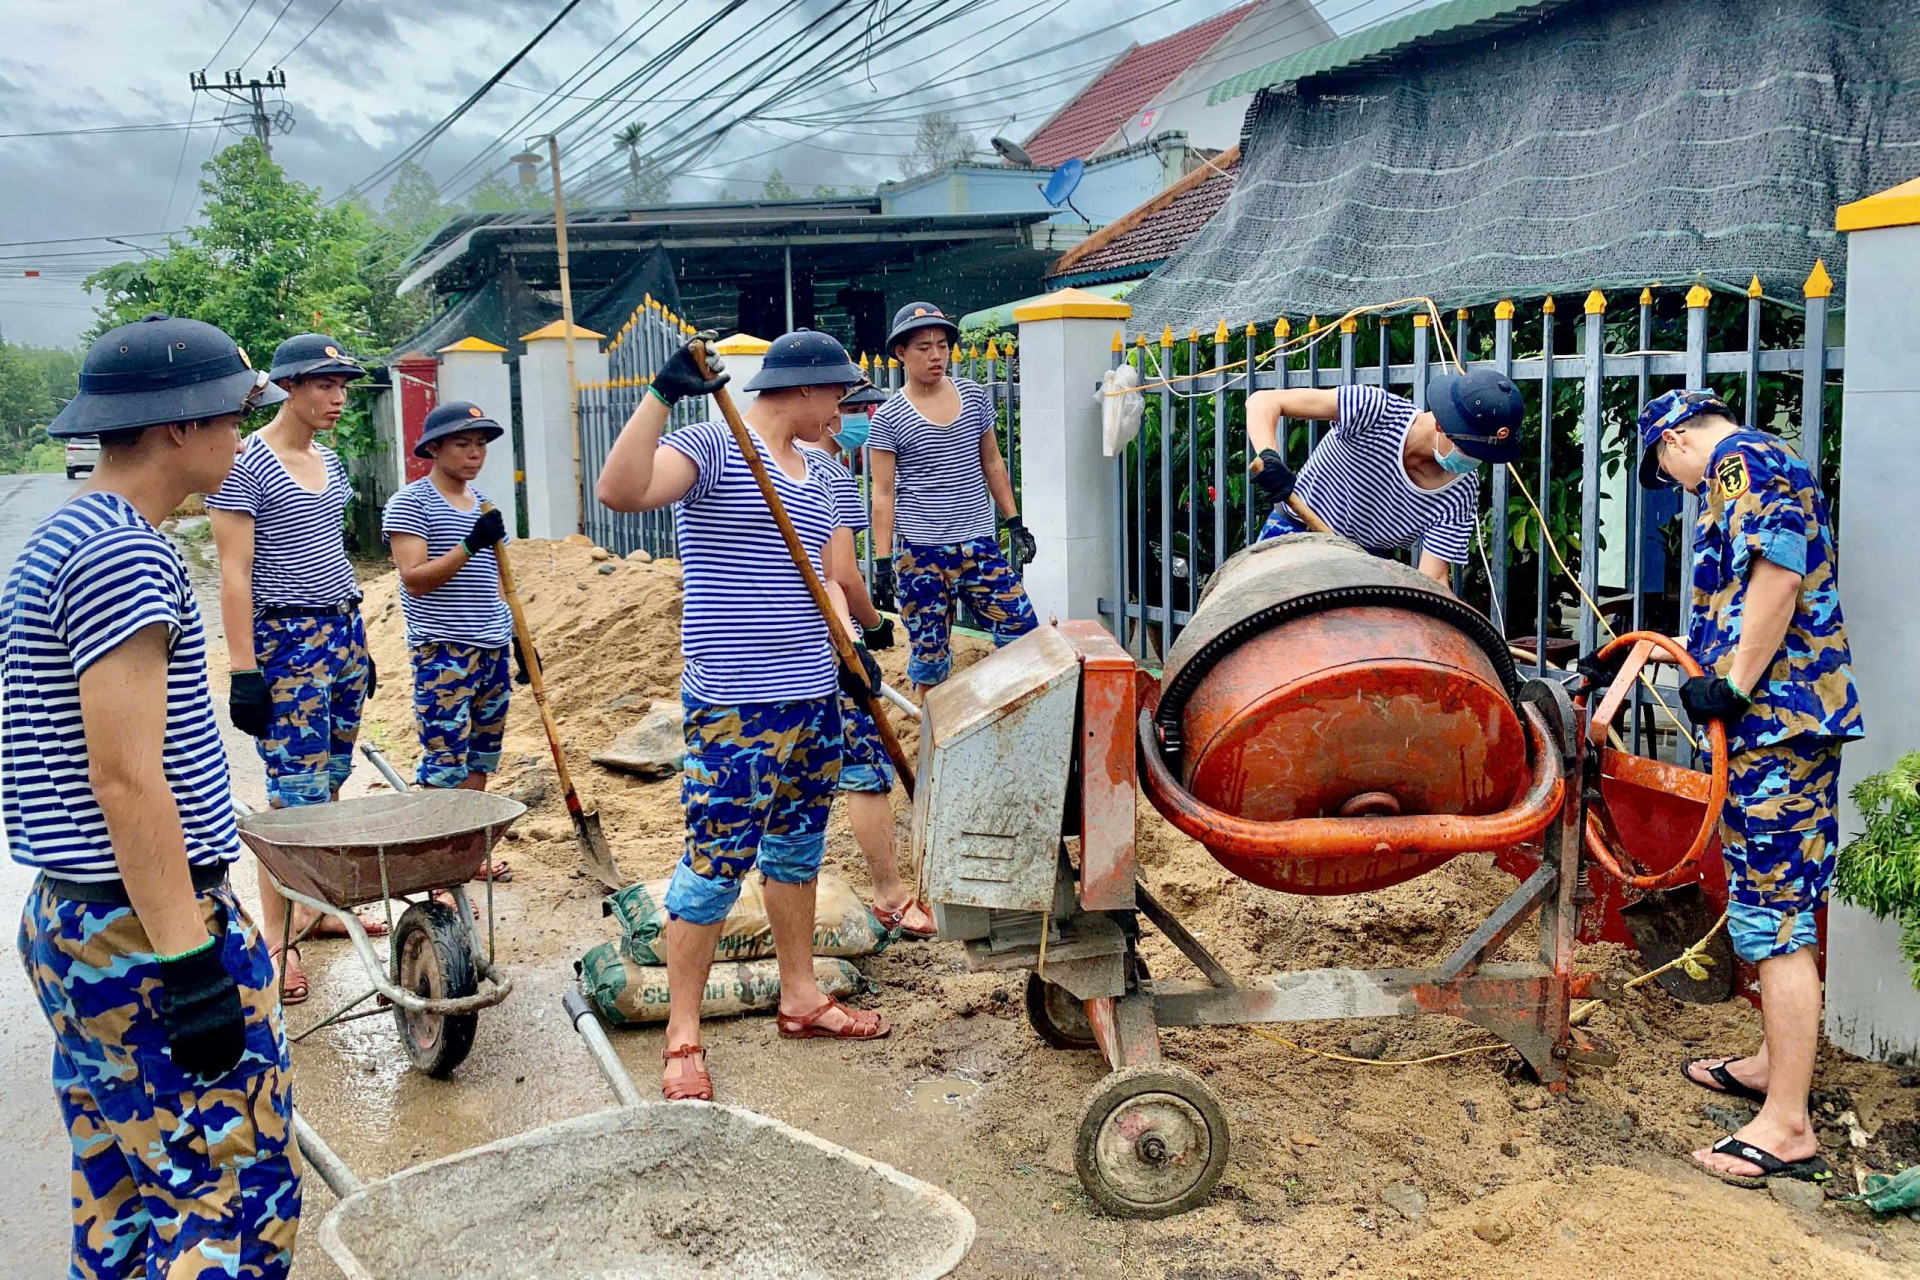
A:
[306,354]
[862,397]
[161,369]
[1664,413]
[450,419]
[804,358]
[921,315]
[1480,411]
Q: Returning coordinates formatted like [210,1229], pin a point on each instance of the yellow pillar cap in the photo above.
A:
[1895,207]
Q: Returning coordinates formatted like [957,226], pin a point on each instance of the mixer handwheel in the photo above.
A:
[1152,1142]
[1058,1017]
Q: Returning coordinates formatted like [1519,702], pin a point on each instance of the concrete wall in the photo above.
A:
[546,424]
[1872,1007]
[482,378]
[1110,188]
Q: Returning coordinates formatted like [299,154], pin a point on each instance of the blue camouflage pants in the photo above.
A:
[173,1176]
[931,578]
[316,671]
[1780,832]
[864,763]
[757,785]
[460,695]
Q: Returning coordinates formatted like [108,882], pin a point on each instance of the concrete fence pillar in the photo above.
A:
[743,354]
[1066,483]
[475,370]
[1872,1007]
[546,424]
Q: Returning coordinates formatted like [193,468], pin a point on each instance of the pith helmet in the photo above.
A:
[451,419]
[161,369]
[804,358]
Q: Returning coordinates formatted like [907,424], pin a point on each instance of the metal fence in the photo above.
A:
[652,334]
[1185,503]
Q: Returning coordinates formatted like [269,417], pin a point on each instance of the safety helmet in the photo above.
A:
[307,354]
[161,369]
[805,358]
[451,419]
[921,315]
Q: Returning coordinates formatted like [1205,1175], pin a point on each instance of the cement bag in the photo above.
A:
[1119,413]
[842,925]
[628,994]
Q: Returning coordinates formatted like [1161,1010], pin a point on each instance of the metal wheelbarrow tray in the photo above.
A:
[431,839]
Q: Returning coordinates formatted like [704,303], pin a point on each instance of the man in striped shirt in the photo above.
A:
[169,1061]
[290,607]
[937,469]
[1388,476]
[759,681]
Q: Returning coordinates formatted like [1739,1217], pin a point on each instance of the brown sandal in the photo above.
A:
[895,921]
[297,988]
[694,1083]
[861,1024]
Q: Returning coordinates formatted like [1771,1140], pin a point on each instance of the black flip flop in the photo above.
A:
[1813,1169]
[1729,1084]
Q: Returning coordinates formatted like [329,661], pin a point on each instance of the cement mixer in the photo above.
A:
[1329,722]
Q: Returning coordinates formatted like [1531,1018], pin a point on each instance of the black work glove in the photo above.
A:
[520,673]
[880,637]
[200,1009]
[1597,673]
[1022,539]
[249,703]
[373,678]
[489,528]
[682,376]
[862,684]
[884,587]
[1713,698]
[1274,477]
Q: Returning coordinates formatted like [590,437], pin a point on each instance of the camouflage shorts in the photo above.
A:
[316,670]
[757,785]
[460,695]
[172,1176]
[1780,832]
[931,579]
[864,763]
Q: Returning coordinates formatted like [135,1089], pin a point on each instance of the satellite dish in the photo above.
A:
[1060,185]
[1012,152]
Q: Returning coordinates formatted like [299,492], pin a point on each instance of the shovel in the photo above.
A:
[1665,923]
[586,822]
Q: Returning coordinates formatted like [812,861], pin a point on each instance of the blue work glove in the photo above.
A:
[682,376]
[200,1010]
[1708,698]
[489,527]
[1273,476]
[1022,539]
[250,703]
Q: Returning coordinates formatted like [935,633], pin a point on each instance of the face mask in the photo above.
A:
[1457,463]
[853,431]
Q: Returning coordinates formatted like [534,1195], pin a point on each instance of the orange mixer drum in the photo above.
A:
[1318,681]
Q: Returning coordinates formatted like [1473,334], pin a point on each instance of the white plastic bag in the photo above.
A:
[1119,414]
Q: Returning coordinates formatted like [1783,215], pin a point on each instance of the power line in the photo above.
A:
[310,30]
[269,31]
[124,235]
[155,127]
[231,34]
[180,164]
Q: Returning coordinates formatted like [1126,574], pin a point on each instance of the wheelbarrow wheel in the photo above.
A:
[1152,1142]
[1056,1016]
[431,958]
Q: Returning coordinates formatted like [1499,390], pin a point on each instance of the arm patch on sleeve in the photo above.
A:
[1731,473]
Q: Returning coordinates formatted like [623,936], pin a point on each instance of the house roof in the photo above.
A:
[1128,84]
[1149,234]
[1447,23]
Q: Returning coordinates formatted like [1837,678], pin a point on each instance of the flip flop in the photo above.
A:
[1728,1083]
[694,1084]
[1813,1169]
[328,927]
[297,988]
[502,872]
[861,1024]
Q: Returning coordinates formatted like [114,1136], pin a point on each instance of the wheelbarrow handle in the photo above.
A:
[387,771]
[325,1161]
[587,1023]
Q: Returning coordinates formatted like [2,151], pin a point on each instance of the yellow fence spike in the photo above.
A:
[1139,339]
[1350,325]
[1646,297]
[1313,324]
[1282,328]
[1699,296]
[1119,340]
[1753,287]
[1253,331]
[1385,321]
[1547,308]
[1503,309]
[1421,320]
[863,362]
[1461,314]
[1166,335]
[1819,284]
[1596,303]
[1220,333]
[893,362]
[993,349]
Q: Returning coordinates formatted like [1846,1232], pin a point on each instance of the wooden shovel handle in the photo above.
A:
[1296,504]
[525,637]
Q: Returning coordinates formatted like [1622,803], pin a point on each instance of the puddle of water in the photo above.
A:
[942,1091]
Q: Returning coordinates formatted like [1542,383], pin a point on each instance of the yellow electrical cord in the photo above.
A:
[1264,1034]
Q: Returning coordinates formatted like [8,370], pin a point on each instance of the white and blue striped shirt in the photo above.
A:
[467,608]
[93,575]
[749,631]
[939,485]
[1357,482]
[299,545]
[852,512]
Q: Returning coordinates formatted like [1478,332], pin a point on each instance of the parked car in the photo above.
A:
[83,454]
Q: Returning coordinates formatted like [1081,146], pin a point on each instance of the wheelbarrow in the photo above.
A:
[663,1190]
[334,857]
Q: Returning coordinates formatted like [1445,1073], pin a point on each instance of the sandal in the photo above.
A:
[861,1024]
[895,922]
[694,1084]
[297,988]
[1813,1169]
[1726,1081]
[502,872]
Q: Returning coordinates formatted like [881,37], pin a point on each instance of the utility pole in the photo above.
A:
[566,313]
[251,94]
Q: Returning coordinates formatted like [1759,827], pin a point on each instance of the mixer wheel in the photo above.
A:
[1058,1017]
[1152,1142]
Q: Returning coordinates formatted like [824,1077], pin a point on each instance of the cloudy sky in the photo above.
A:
[367,79]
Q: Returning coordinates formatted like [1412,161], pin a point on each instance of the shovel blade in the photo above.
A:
[594,850]
[1665,924]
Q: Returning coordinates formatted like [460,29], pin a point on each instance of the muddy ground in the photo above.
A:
[1449,1169]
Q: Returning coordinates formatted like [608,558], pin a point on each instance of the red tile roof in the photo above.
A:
[1126,86]
[1152,232]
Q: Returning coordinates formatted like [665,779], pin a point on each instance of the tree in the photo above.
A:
[939,143]
[645,184]
[775,187]
[34,383]
[495,194]
[826,193]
